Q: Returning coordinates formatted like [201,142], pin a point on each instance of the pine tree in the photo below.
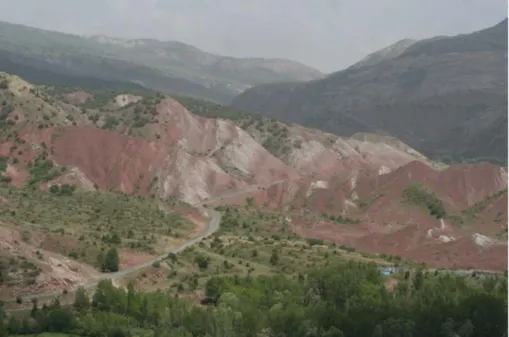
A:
[111,261]
[81,301]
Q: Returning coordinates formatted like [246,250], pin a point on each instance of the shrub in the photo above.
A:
[202,261]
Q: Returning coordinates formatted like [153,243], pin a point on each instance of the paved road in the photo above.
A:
[213,226]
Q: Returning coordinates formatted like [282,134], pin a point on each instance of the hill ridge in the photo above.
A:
[446,97]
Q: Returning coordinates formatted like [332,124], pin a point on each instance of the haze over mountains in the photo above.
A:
[444,96]
[175,67]
[137,200]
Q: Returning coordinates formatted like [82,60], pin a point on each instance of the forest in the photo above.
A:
[345,299]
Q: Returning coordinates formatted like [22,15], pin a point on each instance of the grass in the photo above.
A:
[470,214]
[17,270]
[48,334]
[365,204]
[479,206]
[213,110]
[250,242]
[43,170]
[82,224]
[340,219]
[417,194]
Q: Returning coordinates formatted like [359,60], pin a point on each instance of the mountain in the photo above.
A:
[366,191]
[164,66]
[444,96]
[384,54]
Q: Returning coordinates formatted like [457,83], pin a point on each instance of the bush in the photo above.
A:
[202,261]
[3,163]
[314,242]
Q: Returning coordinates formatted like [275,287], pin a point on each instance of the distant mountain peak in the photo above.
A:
[387,53]
[444,96]
[167,66]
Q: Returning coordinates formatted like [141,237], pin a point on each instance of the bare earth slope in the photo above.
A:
[446,96]
[357,191]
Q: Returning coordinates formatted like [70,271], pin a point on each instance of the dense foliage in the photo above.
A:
[348,299]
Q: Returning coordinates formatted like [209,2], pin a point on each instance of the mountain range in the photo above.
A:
[110,143]
[167,66]
[444,96]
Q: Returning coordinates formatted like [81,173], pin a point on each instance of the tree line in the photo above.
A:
[348,299]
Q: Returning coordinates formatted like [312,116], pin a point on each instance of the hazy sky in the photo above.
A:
[326,34]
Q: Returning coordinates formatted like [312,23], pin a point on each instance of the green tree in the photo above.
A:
[111,261]
[274,258]
[60,320]
[466,329]
[81,300]
[3,328]
[54,189]
[333,332]
[202,261]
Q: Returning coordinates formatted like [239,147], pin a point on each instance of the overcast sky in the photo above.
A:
[326,34]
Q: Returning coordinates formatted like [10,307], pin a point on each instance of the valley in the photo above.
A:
[83,170]
[367,202]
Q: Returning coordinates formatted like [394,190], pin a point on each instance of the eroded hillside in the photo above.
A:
[366,191]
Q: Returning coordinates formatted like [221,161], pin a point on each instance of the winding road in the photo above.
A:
[213,226]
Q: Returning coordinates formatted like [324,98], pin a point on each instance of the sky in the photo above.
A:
[326,34]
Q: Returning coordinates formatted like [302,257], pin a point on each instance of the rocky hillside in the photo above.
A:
[445,96]
[171,67]
[356,189]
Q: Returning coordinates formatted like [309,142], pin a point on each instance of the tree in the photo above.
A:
[60,320]
[447,328]
[395,327]
[202,261]
[466,329]
[111,261]
[81,301]
[3,328]
[274,258]
[33,312]
[333,332]
[54,189]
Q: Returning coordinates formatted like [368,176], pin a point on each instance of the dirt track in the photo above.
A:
[213,226]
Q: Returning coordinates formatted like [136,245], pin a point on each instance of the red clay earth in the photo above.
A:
[196,158]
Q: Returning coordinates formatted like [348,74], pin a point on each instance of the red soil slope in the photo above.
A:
[196,158]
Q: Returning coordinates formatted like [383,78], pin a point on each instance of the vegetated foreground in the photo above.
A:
[367,192]
[342,299]
[54,242]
